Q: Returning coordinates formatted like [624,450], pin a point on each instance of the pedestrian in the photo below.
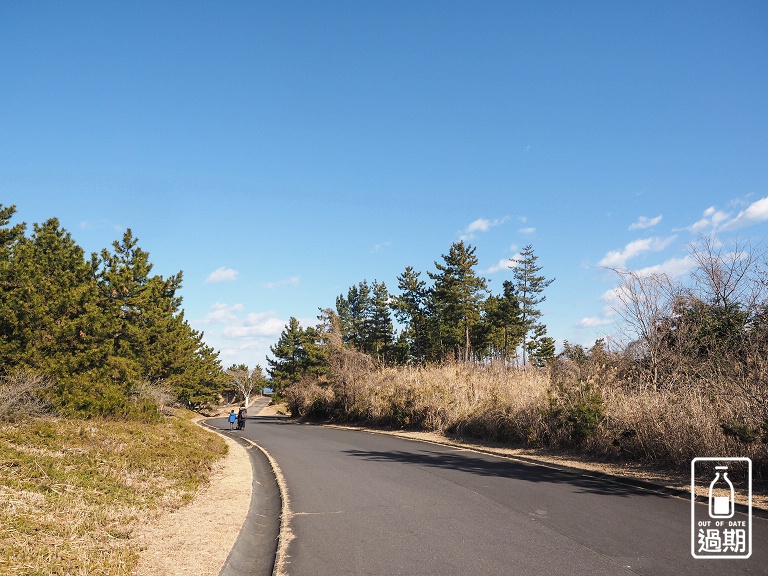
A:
[242,413]
[232,419]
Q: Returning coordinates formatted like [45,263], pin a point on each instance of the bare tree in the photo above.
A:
[245,381]
[644,302]
[729,274]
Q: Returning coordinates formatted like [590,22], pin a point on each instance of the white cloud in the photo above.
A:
[504,264]
[754,214]
[527,230]
[592,322]
[711,219]
[673,267]
[222,313]
[255,324]
[644,222]
[90,225]
[222,274]
[292,281]
[481,225]
[619,258]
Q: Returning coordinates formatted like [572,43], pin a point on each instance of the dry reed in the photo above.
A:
[560,407]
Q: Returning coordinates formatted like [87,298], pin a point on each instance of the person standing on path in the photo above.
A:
[241,415]
[232,420]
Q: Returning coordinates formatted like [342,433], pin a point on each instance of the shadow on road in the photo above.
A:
[588,482]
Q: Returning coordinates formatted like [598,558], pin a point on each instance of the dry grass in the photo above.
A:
[72,492]
[540,409]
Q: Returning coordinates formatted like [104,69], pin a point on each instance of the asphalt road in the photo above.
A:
[371,504]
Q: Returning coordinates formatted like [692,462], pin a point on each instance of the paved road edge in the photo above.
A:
[255,551]
[629,481]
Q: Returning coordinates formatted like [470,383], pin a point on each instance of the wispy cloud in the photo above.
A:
[222,313]
[644,222]
[593,322]
[504,264]
[674,267]
[380,246]
[710,220]
[480,225]
[292,281]
[619,258]
[222,274]
[714,220]
[89,225]
[255,325]
[754,214]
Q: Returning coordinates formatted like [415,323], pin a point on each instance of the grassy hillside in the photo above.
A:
[72,492]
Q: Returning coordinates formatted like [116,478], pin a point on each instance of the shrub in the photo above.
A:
[23,394]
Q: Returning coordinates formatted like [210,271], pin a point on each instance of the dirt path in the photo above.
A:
[196,539]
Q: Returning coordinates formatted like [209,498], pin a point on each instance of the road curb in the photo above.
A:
[254,552]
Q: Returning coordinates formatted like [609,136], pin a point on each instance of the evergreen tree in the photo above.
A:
[365,320]
[502,315]
[458,293]
[150,340]
[9,235]
[101,328]
[541,348]
[298,354]
[381,332]
[529,288]
[355,313]
[413,307]
[50,320]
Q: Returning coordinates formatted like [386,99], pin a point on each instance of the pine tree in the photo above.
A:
[365,320]
[529,288]
[458,292]
[413,307]
[298,353]
[541,348]
[143,311]
[502,315]
[355,312]
[381,333]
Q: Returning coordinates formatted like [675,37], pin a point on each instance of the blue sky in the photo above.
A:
[280,152]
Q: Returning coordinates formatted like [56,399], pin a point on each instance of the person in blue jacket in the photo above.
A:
[232,420]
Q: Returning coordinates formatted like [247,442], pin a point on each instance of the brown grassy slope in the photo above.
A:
[72,491]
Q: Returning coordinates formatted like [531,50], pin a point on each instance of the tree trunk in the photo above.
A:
[466,343]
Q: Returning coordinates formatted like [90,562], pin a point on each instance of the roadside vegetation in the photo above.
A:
[99,369]
[73,492]
[687,375]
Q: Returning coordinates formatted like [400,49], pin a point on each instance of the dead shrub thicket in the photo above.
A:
[22,395]
[590,406]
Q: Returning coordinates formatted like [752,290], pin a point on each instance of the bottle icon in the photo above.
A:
[721,506]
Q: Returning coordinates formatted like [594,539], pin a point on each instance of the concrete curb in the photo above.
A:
[254,552]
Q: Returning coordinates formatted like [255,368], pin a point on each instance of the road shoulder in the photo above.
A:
[197,538]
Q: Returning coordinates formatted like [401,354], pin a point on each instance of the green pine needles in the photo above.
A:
[99,328]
